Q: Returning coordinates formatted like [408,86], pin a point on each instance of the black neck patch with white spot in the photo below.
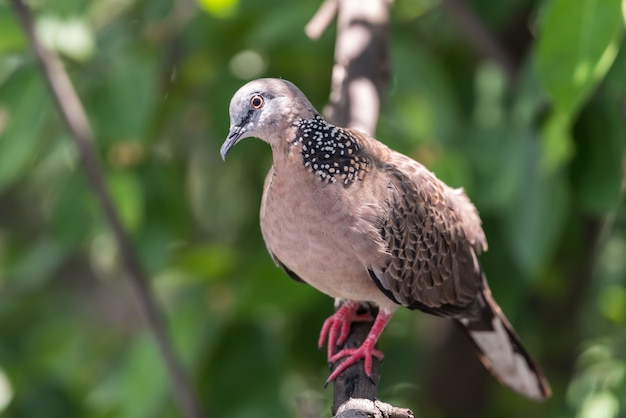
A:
[330,152]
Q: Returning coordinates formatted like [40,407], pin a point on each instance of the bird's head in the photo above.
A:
[265,108]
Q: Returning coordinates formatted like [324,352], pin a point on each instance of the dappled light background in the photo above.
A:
[538,144]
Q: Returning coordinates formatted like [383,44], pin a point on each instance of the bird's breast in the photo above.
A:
[307,225]
[300,219]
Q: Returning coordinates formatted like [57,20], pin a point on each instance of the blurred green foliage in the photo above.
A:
[542,156]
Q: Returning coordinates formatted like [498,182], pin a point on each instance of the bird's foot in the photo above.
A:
[365,352]
[352,355]
[337,327]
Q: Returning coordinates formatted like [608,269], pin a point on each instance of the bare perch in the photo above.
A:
[73,113]
[366,408]
[353,383]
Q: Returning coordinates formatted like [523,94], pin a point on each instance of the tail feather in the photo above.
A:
[501,351]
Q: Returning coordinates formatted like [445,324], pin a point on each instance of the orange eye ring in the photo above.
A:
[256,102]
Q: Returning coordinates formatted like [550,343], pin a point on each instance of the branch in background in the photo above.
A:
[324,16]
[73,113]
[359,80]
[361,71]
[479,36]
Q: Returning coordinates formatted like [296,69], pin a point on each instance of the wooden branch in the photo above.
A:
[359,80]
[73,113]
[365,408]
[353,383]
[355,394]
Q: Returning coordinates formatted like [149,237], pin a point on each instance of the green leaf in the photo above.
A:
[74,212]
[24,104]
[556,142]
[597,170]
[495,150]
[612,303]
[577,45]
[127,194]
[219,8]
[537,214]
[121,106]
[600,405]
[139,387]
[12,37]
[207,261]
[426,105]
[36,263]
[615,81]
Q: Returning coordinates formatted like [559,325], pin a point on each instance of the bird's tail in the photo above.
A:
[502,353]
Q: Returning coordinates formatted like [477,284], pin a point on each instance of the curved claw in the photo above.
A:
[337,327]
[365,352]
[352,355]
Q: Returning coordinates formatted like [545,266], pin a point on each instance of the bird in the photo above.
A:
[362,223]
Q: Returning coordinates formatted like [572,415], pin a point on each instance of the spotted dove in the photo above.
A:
[363,223]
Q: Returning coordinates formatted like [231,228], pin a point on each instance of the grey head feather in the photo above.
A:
[265,109]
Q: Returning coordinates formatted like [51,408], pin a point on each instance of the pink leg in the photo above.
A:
[365,352]
[337,326]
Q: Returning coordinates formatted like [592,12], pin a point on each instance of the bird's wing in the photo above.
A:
[432,234]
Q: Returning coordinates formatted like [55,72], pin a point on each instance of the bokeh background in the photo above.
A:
[539,145]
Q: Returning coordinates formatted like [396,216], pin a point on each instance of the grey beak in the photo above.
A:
[233,137]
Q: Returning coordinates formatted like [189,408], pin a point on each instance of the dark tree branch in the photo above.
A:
[359,80]
[73,113]
[353,383]
[480,37]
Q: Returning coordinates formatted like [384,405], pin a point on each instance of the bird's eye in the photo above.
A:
[256,102]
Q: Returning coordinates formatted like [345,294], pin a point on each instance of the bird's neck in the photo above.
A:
[333,154]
